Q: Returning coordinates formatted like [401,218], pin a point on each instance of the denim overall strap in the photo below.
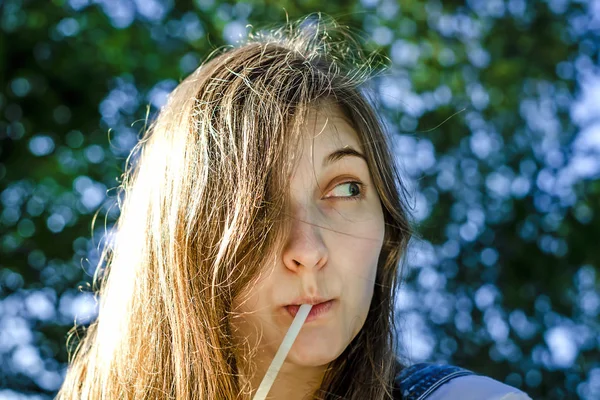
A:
[420,380]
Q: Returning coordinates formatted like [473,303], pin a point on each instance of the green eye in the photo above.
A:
[348,190]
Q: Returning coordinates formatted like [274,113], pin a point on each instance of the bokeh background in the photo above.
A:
[504,275]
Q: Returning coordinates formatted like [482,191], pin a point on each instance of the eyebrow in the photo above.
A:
[341,153]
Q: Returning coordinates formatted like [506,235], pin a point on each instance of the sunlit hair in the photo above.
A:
[205,206]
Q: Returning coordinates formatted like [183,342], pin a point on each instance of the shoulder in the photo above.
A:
[448,382]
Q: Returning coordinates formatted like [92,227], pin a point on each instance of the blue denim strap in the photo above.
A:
[420,380]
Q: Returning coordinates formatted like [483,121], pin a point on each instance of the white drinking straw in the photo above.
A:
[282,352]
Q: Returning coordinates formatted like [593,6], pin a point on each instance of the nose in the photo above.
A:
[304,249]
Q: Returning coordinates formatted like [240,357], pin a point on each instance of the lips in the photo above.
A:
[316,311]
[308,300]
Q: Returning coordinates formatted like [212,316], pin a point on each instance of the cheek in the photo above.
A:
[359,255]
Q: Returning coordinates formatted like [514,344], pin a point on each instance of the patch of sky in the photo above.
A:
[496,325]
[485,296]
[562,345]
[522,325]
[193,29]
[396,94]
[499,183]
[481,144]
[14,195]
[125,138]
[120,12]
[78,5]
[442,95]
[67,161]
[91,194]
[445,25]
[588,301]
[26,360]
[204,5]
[448,346]
[590,388]
[189,62]
[506,350]
[94,154]
[539,114]
[421,253]
[158,95]
[464,303]
[489,256]
[470,171]
[55,223]
[579,24]
[391,89]
[235,31]
[14,330]
[516,7]
[487,8]
[422,208]
[468,231]
[463,321]
[79,307]
[480,99]
[41,145]
[123,98]
[446,180]
[153,10]
[450,249]
[404,149]
[408,124]
[382,35]
[388,9]
[406,299]
[425,154]
[415,336]
[585,278]
[429,279]
[552,221]
[440,306]
[551,245]
[369,3]
[60,217]
[68,27]
[478,57]
[593,10]
[8,394]
[585,162]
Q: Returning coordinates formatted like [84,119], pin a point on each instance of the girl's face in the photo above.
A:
[331,253]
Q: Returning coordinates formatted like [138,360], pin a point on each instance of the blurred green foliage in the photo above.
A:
[503,278]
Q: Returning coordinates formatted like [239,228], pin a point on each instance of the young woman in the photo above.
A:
[266,182]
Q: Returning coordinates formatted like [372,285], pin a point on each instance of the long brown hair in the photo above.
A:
[205,195]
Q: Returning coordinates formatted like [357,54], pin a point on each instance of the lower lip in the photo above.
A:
[317,311]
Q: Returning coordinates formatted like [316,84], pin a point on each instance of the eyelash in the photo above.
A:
[361,185]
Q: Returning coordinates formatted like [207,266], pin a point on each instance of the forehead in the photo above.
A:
[328,128]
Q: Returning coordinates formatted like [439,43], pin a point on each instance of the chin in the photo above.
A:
[314,354]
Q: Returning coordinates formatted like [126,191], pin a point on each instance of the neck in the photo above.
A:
[293,382]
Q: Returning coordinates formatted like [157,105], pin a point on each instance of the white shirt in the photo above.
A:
[476,387]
